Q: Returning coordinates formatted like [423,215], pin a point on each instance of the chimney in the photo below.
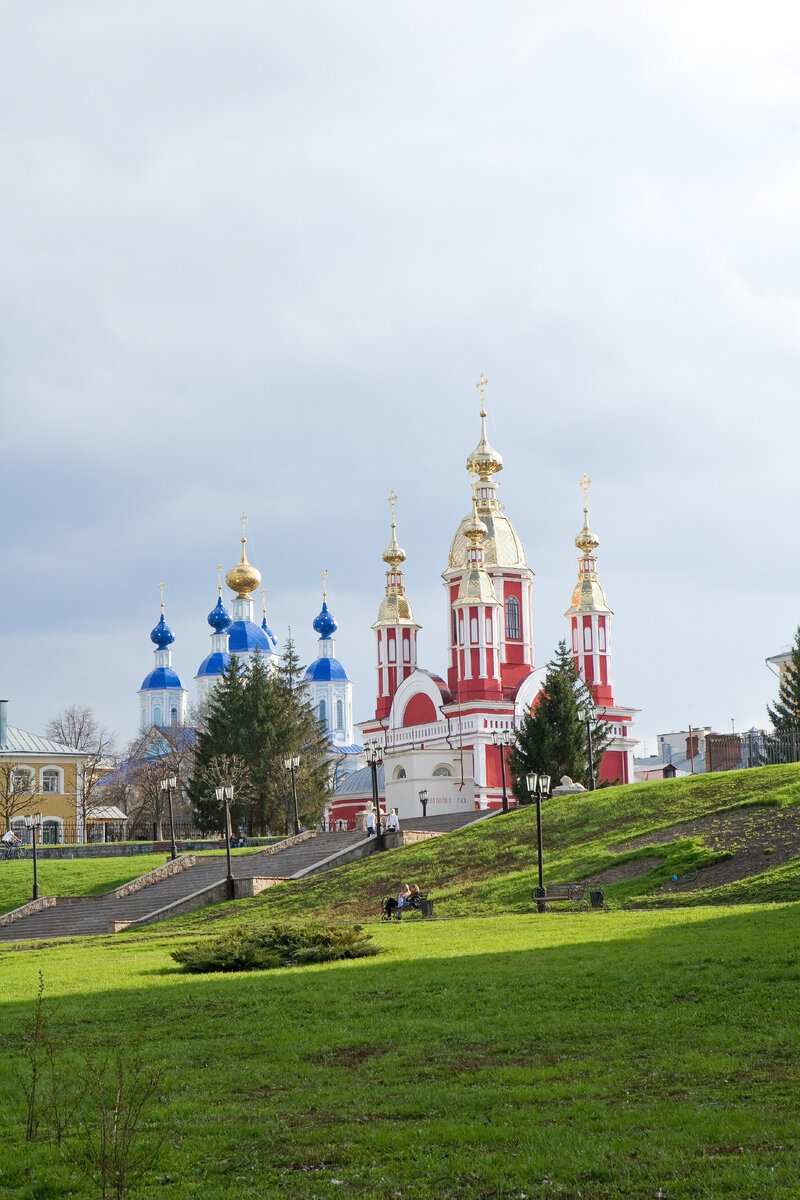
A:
[3,723]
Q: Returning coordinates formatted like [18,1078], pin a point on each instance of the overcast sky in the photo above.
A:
[256,255]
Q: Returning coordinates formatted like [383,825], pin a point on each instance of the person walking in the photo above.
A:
[369,820]
[393,822]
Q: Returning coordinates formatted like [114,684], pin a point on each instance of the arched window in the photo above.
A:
[587,637]
[340,714]
[173,716]
[473,630]
[601,638]
[399,773]
[157,715]
[442,769]
[455,628]
[512,617]
[392,650]
[51,832]
[323,712]
[51,780]
[575,638]
[488,630]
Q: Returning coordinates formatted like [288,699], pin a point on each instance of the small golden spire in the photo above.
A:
[161,589]
[484,459]
[325,586]
[586,541]
[243,578]
[393,554]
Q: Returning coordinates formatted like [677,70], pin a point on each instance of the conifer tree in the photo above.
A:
[785,713]
[551,738]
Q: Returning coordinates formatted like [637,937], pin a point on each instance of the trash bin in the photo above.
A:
[597,899]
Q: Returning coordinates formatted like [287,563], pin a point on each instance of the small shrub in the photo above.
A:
[264,947]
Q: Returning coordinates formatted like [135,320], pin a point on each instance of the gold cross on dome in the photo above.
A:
[264,602]
[161,589]
[219,577]
[324,585]
[392,499]
[481,386]
[584,483]
[244,523]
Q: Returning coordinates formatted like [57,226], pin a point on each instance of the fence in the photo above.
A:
[756,748]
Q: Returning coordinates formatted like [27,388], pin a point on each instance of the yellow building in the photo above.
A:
[40,776]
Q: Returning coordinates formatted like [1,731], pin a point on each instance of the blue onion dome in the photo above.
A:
[219,618]
[325,624]
[162,635]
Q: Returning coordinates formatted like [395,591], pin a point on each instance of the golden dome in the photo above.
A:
[484,460]
[243,578]
[586,541]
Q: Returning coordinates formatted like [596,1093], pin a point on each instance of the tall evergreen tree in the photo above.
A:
[260,718]
[551,738]
[785,713]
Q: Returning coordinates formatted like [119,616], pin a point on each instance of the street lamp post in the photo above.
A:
[225,795]
[33,823]
[539,786]
[423,799]
[503,739]
[588,715]
[291,764]
[168,785]
[374,755]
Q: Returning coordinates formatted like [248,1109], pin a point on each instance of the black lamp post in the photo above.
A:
[588,715]
[423,799]
[33,823]
[168,785]
[291,764]
[503,739]
[374,755]
[539,787]
[225,796]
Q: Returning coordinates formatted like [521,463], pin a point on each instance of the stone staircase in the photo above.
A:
[183,886]
[446,822]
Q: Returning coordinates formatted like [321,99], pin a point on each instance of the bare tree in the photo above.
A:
[17,790]
[76,726]
[152,758]
[224,770]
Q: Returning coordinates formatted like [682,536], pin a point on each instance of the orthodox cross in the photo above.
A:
[481,386]
[584,483]
[219,577]
[325,586]
[264,602]
[392,499]
[161,589]
[244,523]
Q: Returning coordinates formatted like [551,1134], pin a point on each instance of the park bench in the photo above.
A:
[421,903]
[561,893]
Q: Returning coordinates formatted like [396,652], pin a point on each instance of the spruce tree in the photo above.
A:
[785,713]
[551,739]
[306,736]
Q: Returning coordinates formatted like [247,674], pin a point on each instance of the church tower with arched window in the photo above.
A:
[162,697]
[327,684]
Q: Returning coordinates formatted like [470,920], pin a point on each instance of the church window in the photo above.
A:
[512,617]
[339,714]
[173,716]
[489,630]
[575,638]
[461,630]
[442,770]
[587,637]
[51,780]
[392,650]
[323,712]
[157,715]
[406,650]
[399,773]
[473,630]
[601,638]
[455,627]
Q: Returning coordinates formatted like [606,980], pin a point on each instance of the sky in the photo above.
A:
[257,254]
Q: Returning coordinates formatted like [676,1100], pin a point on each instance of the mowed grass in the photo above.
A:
[623,1054]
[70,876]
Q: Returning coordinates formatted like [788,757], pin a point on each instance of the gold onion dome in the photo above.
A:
[243,578]
[484,460]
[586,541]
[394,554]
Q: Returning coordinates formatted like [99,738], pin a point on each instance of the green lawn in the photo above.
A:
[609,1055]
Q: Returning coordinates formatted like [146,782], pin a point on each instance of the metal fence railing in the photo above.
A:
[756,748]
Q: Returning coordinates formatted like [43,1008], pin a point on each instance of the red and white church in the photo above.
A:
[435,733]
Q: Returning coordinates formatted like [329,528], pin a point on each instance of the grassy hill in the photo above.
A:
[501,1055]
[738,832]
